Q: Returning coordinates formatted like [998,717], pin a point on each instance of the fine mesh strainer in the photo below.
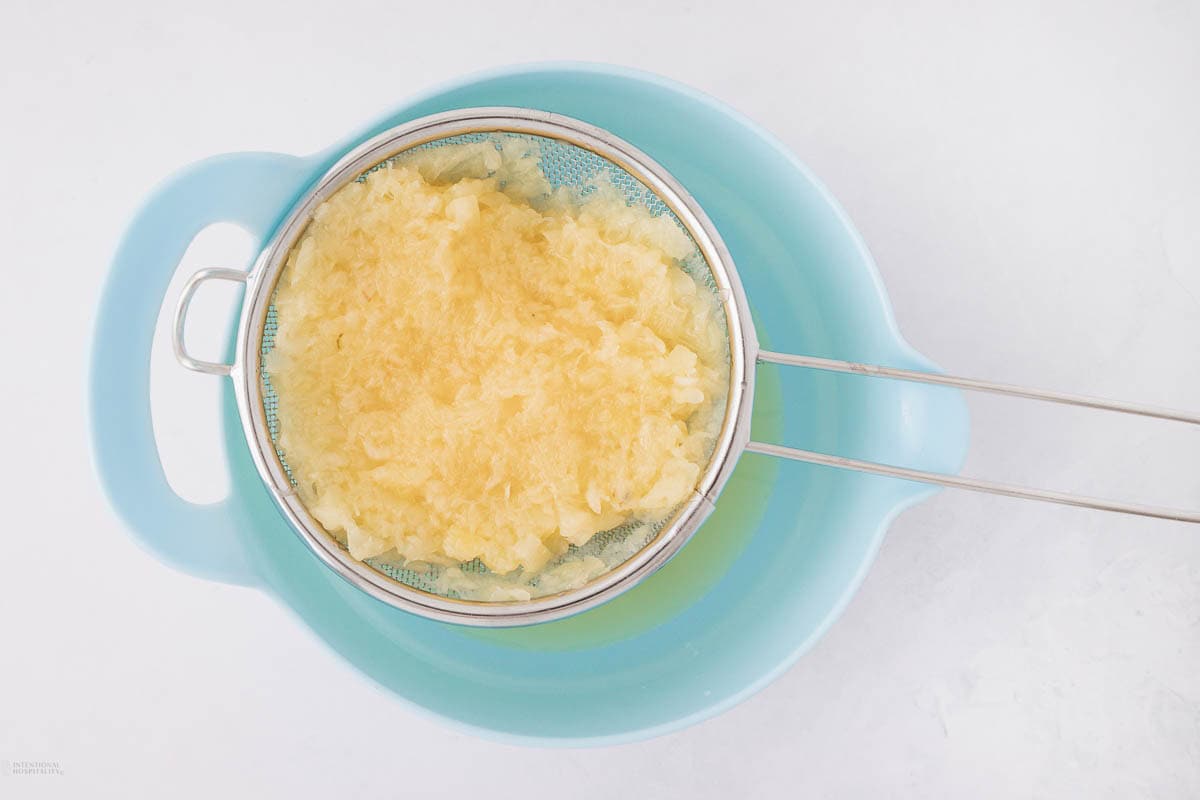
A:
[576,155]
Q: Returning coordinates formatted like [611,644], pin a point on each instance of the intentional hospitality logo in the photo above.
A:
[14,768]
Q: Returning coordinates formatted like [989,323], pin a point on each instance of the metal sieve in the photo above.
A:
[574,154]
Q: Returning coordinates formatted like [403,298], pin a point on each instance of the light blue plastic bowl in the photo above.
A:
[757,585]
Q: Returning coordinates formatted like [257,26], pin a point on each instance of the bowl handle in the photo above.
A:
[252,190]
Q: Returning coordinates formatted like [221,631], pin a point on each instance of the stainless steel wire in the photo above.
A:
[962,482]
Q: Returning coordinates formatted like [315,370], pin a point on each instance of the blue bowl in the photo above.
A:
[756,586]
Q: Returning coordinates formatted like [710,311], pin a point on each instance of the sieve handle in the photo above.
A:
[185,300]
[976,484]
[252,190]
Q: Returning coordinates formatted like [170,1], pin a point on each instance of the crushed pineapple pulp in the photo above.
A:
[461,374]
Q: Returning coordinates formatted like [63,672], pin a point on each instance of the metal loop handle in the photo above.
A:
[185,300]
[975,484]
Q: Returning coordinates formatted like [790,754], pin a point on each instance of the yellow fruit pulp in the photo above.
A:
[461,374]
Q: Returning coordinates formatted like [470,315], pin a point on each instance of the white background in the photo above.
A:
[1028,178]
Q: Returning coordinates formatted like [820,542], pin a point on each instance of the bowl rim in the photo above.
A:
[882,314]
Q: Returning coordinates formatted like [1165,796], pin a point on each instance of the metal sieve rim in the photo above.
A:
[731,440]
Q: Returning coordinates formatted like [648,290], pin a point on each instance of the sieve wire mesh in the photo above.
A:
[563,164]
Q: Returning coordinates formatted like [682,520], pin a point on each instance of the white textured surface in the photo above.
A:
[1028,178]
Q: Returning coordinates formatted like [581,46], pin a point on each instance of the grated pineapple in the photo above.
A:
[462,375]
